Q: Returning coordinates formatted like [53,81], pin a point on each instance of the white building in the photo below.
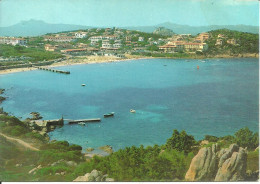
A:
[13,41]
[81,35]
[117,45]
[95,39]
[59,38]
[141,39]
[107,45]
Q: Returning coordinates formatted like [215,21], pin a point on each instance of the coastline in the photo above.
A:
[107,59]
[77,61]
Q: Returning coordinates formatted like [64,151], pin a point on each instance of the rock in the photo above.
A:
[71,163]
[94,176]
[233,168]
[226,153]
[18,165]
[212,165]
[81,178]
[204,142]
[57,173]
[107,148]
[89,149]
[44,129]
[32,171]
[63,173]
[203,166]
[43,133]
[109,180]
[52,127]
[58,162]
[94,173]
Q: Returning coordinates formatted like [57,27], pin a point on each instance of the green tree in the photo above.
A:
[180,141]
[246,138]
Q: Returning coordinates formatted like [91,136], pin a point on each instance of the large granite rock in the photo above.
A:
[94,176]
[203,166]
[233,168]
[210,164]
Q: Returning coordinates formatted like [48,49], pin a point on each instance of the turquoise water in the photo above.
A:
[218,99]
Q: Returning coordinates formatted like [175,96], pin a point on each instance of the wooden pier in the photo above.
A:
[53,70]
[94,120]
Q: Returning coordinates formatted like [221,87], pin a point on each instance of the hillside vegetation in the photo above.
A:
[245,42]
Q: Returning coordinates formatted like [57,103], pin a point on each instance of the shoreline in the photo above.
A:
[71,62]
[109,59]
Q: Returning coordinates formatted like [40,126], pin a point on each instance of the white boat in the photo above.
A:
[132,110]
[81,123]
[83,84]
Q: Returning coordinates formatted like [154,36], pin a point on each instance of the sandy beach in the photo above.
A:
[76,61]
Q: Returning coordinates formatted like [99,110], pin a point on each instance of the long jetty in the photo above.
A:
[94,120]
[53,70]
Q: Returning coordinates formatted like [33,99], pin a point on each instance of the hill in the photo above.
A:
[36,28]
[185,29]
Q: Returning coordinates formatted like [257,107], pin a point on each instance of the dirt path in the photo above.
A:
[25,144]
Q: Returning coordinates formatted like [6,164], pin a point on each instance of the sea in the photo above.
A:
[203,97]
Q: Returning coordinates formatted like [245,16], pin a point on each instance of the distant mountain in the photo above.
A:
[185,29]
[36,28]
[163,31]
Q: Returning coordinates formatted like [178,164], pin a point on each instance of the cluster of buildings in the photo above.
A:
[108,39]
[222,38]
[13,41]
[179,45]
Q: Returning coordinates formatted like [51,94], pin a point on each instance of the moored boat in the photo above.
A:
[83,84]
[109,114]
[82,123]
[132,110]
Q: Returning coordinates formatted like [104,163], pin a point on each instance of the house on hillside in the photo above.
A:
[59,38]
[202,37]
[51,48]
[232,41]
[219,42]
[74,51]
[13,41]
[80,34]
[195,47]
[141,39]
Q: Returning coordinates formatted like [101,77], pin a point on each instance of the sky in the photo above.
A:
[118,13]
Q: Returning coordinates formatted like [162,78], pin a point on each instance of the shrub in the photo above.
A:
[246,138]
[181,141]
[211,138]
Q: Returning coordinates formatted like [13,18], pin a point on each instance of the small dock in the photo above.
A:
[53,70]
[94,120]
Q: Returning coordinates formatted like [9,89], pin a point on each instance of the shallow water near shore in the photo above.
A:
[218,99]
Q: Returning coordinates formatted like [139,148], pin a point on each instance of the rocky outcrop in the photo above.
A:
[233,166]
[203,165]
[94,176]
[90,149]
[210,164]
[62,161]
[107,148]
[34,170]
